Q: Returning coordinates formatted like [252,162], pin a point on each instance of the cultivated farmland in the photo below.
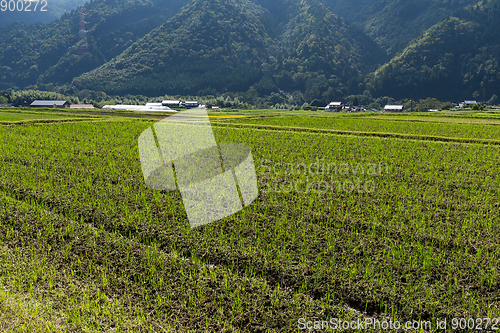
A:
[346,225]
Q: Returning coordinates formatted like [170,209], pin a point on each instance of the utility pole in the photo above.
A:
[484,88]
[82,44]
[411,101]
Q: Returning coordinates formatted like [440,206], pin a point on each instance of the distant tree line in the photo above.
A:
[245,100]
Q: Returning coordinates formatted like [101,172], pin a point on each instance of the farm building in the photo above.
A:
[50,104]
[154,105]
[355,109]
[334,106]
[6,105]
[466,104]
[191,104]
[81,106]
[394,108]
[171,103]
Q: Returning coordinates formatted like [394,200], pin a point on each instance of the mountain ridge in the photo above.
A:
[455,58]
[298,48]
[261,61]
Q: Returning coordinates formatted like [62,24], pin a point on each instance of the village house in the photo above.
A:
[466,104]
[334,107]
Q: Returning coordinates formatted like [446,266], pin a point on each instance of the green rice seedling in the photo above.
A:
[389,245]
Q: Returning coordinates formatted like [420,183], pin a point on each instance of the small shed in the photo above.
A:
[50,104]
[81,106]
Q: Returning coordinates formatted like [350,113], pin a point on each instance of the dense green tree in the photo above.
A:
[428,103]
[493,100]
[319,102]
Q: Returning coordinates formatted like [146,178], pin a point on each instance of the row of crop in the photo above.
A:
[385,248]
[93,280]
[374,125]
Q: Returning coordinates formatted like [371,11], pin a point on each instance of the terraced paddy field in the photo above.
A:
[347,228]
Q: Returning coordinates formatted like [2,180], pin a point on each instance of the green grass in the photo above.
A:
[23,115]
[82,235]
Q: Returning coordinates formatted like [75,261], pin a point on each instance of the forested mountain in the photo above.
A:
[232,45]
[258,48]
[153,47]
[212,45]
[455,59]
[46,53]
[321,54]
[394,23]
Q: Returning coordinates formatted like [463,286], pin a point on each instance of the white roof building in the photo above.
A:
[334,104]
[469,102]
[169,102]
[394,107]
[155,105]
[138,108]
[465,104]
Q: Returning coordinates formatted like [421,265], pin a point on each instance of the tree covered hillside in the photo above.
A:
[45,54]
[233,45]
[297,49]
[321,54]
[457,58]
[394,23]
[212,45]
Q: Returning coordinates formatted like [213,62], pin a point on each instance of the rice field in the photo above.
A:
[346,228]
[8,115]
[441,127]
